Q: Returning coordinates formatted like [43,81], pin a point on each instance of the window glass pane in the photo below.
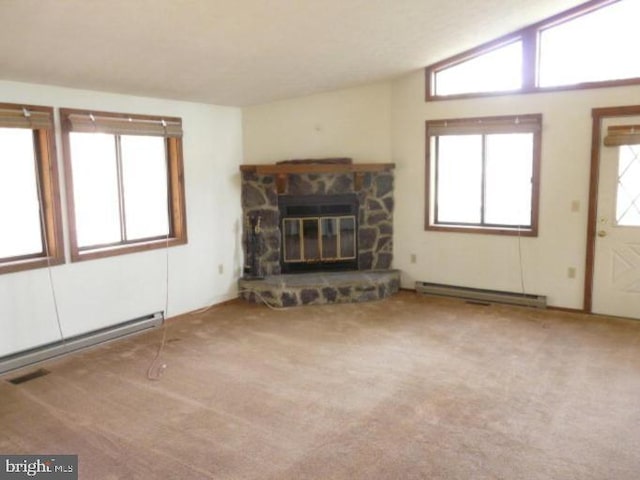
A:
[19,204]
[509,168]
[628,195]
[497,70]
[144,179]
[459,178]
[594,47]
[95,188]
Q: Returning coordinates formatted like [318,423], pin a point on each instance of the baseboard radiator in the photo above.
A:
[479,295]
[79,342]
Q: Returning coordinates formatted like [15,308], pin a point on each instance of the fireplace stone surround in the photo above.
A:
[264,185]
[371,183]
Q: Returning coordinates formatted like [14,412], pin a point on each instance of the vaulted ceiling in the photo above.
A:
[243,52]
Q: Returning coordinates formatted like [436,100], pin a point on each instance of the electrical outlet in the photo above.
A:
[220,269]
[575,206]
[571,272]
[413,258]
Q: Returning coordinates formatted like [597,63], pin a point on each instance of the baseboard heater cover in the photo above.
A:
[79,342]
[476,294]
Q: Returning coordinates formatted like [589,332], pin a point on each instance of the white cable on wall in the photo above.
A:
[155,370]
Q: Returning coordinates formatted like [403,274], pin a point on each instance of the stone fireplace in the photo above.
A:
[317,215]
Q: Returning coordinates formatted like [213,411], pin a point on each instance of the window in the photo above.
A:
[125,191]
[570,52]
[29,196]
[627,139]
[589,46]
[499,69]
[628,195]
[482,174]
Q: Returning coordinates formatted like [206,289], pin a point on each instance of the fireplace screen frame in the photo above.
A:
[342,241]
[310,214]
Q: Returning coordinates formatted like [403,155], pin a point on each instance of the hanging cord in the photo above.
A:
[272,306]
[522,288]
[264,300]
[154,372]
[521,262]
[55,299]
[45,237]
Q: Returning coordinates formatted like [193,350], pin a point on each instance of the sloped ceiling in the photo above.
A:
[243,52]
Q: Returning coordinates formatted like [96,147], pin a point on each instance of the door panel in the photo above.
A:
[616,281]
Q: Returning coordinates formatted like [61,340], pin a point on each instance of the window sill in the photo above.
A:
[516,232]
[112,251]
[30,264]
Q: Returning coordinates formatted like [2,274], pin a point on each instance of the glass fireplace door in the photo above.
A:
[318,239]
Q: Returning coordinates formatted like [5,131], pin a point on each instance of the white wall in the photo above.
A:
[97,293]
[487,261]
[345,123]
[352,122]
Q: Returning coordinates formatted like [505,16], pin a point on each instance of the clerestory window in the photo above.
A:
[592,45]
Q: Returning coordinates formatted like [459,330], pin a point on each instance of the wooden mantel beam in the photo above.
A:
[292,168]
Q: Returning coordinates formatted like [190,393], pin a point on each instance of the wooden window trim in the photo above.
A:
[176,192]
[530,37]
[531,231]
[49,196]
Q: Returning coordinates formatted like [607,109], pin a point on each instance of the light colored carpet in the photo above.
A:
[406,388]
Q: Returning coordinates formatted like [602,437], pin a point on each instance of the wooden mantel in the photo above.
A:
[282,170]
[298,168]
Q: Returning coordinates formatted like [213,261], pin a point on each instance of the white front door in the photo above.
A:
[616,280]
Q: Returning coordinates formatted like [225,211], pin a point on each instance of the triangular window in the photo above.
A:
[498,69]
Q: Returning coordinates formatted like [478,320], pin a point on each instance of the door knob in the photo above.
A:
[602,233]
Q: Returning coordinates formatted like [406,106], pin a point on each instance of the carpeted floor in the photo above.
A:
[407,388]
